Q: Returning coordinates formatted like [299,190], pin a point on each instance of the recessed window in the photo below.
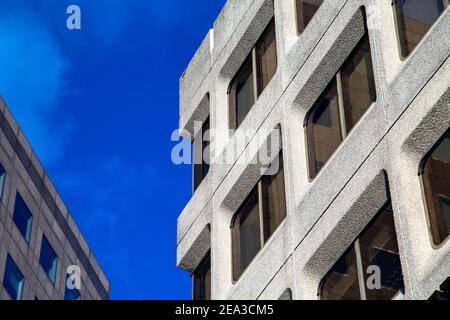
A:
[202,279]
[253,76]
[305,9]
[201,154]
[71,294]
[13,279]
[344,101]
[257,219]
[48,259]
[375,246]
[435,172]
[414,19]
[22,217]
[2,181]
[443,293]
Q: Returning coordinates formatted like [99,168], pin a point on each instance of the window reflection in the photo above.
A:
[436,184]
[414,19]
[376,246]
[332,117]
[306,9]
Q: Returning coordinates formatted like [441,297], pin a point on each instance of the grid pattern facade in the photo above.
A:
[39,214]
[381,155]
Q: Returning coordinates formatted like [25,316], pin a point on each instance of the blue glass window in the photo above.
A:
[48,259]
[72,294]
[22,217]
[13,279]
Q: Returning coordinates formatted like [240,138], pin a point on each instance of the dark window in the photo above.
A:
[436,184]
[2,181]
[324,132]
[376,246]
[202,279]
[443,293]
[342,283]
[13,279]
[22,217]
[332,117]
[71,294]
[266,57]
[257,219]
[201,154]
[253,76]
[48,259]
[414,19]
[306,9]
[358,84]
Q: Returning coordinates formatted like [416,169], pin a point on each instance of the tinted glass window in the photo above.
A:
[415,18]
[48,259]
[253,76]
[332,117]
[201,157]
[22,217]
[273,200]
[379,248]
[324,129]
[202,279]
[376,247]
[266,55]
[245,94]
[71,294]
[358,83]
[306,9]
[249,232]
[258,218]
[436,184]
[13,279]
[341,283]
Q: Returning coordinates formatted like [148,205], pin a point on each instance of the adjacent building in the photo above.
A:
[39,240]
[359,208]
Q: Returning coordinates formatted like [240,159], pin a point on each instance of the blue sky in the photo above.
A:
[99,105]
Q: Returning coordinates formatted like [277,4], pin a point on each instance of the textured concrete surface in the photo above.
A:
[384,150]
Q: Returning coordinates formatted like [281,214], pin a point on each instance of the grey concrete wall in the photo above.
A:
[26,175]
[384,149]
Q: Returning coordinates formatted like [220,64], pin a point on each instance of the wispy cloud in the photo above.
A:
[32,80]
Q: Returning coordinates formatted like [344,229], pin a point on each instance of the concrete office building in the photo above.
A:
[39,239]
[360,208]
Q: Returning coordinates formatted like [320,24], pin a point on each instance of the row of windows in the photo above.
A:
[23,219]
[265,208]
[335,113]
[347,96]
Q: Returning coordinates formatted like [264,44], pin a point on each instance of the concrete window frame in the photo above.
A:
[264,231]
[434,216]
[399,36]
[253,62]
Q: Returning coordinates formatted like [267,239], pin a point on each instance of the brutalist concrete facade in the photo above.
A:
[26,176]
[323,215]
